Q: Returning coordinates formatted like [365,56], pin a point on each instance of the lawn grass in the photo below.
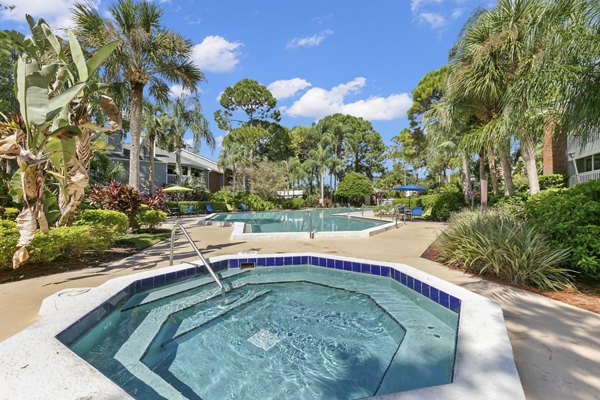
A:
[142,240]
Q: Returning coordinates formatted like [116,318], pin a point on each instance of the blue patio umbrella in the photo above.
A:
[410,188]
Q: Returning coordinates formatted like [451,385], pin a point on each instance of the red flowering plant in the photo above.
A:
[156,201]
[118,196]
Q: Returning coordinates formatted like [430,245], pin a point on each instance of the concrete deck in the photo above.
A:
[556,346]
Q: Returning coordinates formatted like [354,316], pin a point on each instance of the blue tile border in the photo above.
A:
[438,296]
[85,323]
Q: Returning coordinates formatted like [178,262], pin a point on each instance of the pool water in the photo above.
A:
[322,220]
[298,332]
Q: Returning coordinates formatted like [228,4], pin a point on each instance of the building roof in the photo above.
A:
[162,156]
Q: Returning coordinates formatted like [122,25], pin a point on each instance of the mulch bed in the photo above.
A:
[64,264]
[586,295]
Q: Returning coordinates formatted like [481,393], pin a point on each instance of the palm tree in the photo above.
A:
[148,54]
[158,127]
[321,156]
[186,114]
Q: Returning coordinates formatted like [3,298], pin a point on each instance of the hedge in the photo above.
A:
[199,206]
[45,247]
[10,213]
[448,200]
[151,219]
[115,221]
[570,218]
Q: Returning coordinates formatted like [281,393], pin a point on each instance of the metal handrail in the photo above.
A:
[189,239]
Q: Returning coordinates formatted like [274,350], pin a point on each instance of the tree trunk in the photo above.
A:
[135,128]
[528,153]
[482,174]
[509,188]
[466,177]
[32,215]
[492,166]
[322,199]
[151,166]
[178,165]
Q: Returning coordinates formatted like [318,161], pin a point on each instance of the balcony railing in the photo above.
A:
[584,177]
[172,179]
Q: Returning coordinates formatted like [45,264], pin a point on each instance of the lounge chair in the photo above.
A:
[386,212]
[243,207]
[401,209]
[209,208]
[416,212]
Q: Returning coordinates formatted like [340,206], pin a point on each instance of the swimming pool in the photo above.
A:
[313,220]
[299,332]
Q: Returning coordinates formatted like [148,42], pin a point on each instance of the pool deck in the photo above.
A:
[556,346]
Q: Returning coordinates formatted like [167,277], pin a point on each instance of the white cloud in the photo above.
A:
[191,20]
[310,41]
[57,13]
[318,102]
[216,54]
[457,13]
[178,90]
[219,141]
[283,89]
[416,5]
[434,20]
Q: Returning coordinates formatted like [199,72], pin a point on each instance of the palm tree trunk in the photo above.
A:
[528,153]
[466,176]
[135,127]
[509,187]
[151,166]
[492,166]
[482,175]
[322,199]
[178,165]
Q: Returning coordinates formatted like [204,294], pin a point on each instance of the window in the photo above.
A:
[589,163]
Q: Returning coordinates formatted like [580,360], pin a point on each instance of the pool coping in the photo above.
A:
[35,355]
[239,234]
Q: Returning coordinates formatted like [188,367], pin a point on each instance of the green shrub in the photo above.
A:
[440,205]
[9,235]
[115,221]
[354,187]
[9,213]
[505,247]
[253,201]
[225,195]
[552,181]
[514,205]
[70,240]
[151,219]
[294,203]
[571,219]
[199,206]
[46,247]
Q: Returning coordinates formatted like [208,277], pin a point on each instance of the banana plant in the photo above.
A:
[53,88]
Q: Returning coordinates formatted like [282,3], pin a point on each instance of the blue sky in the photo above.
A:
[318,57]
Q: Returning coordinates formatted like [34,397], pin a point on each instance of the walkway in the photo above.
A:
[556,346]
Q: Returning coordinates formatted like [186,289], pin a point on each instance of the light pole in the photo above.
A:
[572,157]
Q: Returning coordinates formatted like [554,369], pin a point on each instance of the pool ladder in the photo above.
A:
[197,250]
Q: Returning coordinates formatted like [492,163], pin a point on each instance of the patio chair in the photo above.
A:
[189,211]
[173,210]
[209,208]
[416,212]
